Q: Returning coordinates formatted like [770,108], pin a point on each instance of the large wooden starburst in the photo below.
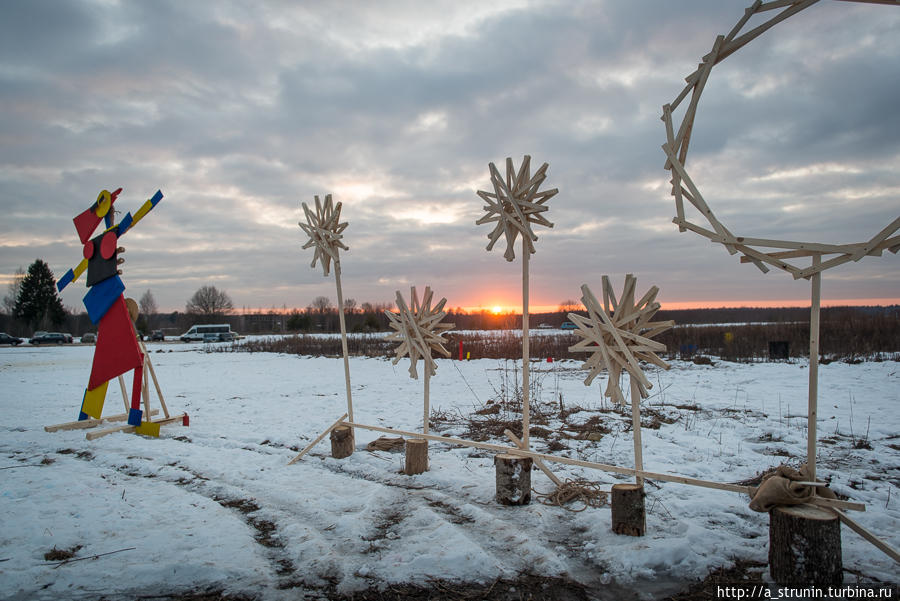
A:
[515,204]
[619,334]
[419,331]
[324,229]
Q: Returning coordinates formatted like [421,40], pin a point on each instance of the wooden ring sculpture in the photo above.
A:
[759,251]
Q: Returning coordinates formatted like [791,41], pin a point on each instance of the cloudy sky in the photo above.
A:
[238,111]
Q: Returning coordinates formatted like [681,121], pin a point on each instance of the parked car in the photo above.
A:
[88,338]
[568,325]
[48,338]
[226,337]
[68,337]
[157,335]
[210,337]
[7,339]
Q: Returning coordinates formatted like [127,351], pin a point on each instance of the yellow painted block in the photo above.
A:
[147,429]
[145,208]
[93,400]
[80,269]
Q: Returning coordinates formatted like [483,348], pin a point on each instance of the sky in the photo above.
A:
[240,111]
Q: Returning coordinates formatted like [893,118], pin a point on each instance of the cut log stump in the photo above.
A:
[805,546]
[416,456]
[628,515]
[513,479]
[342,442]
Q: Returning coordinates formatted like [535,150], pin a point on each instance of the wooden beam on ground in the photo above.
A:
[89,423]
[738,488]
[129,429]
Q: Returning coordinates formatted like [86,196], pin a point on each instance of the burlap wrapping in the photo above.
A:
[782,487]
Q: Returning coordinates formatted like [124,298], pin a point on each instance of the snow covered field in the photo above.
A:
[215,505]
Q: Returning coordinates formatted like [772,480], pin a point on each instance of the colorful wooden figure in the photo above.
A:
[117,350]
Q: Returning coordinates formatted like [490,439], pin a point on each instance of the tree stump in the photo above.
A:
[342,442]
[416,456]
[513,479]
[628,515]
[805,546]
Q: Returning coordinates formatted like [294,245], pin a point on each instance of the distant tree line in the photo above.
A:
[32,303]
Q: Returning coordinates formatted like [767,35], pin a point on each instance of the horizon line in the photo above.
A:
[665,306]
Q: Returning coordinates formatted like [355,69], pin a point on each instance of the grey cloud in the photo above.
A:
[240,112]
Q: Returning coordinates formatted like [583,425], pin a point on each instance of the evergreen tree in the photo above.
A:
[38,303]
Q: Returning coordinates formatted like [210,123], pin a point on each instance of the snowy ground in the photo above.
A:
[216,505]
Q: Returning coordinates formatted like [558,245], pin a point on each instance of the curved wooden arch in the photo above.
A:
[762,252]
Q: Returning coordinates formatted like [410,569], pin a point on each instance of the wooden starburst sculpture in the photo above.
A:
[324,229]
[418,329]
[619,334]
[515,204]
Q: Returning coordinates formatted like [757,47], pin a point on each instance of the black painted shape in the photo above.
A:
[100,269]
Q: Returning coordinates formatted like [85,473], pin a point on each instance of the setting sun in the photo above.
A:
[496,309]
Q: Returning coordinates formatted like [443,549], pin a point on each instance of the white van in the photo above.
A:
[220,332]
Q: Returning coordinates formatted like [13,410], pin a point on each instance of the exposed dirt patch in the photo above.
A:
[242,505]
[55,554]
[744,573]
[86,455]
[530,587]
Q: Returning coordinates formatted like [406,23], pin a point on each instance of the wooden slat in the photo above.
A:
[129,429]
[738,488]
[89,423]
[866,534]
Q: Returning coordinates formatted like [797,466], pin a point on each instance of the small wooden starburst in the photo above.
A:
[620,337]
[419,331]
[324,229]
[515,204]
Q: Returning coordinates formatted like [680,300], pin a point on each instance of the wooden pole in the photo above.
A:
[340,296]
[813,368]
[526,402]
[427,387]
[636,426]
[738,488]
[317,440]
[124,394]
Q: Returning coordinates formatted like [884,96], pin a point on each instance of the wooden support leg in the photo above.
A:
[416,456]
[124,394]
[162,400]
[342,442]
[628,515]
[513,479]
[317,440]
[805,546]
